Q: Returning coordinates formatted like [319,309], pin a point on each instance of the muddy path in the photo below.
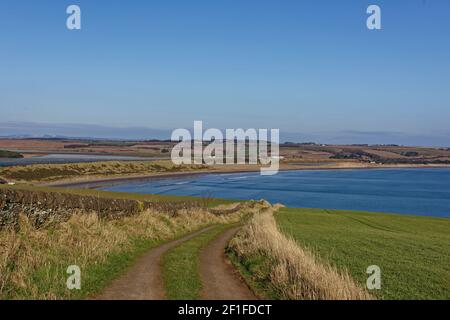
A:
[143,281]
[220,280]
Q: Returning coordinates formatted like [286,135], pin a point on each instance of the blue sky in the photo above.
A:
[306,67]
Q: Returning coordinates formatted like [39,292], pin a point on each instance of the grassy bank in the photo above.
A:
[413,252]
[33,262]
[53,172]
[278,268]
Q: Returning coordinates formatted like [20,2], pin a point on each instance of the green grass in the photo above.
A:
[253,265]
[413,252]
[181,266]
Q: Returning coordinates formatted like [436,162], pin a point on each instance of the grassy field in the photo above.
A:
[52,172]
[181,265]
[413,252]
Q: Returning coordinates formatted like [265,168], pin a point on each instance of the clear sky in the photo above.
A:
[301,66]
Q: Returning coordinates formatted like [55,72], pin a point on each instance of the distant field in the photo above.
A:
[412,252]
[291,152]
[89,146]
[52,172]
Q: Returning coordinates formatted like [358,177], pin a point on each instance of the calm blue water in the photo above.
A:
[411,191]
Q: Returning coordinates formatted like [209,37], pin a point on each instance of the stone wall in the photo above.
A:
[41,206]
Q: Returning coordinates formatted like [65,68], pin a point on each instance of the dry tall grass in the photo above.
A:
[33,262]
[291,271]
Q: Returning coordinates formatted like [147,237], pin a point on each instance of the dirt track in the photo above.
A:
[143,281]
[219,278]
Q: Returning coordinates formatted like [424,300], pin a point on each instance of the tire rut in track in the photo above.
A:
[220,279]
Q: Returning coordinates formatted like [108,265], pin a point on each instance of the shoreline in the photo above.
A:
[96,181]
